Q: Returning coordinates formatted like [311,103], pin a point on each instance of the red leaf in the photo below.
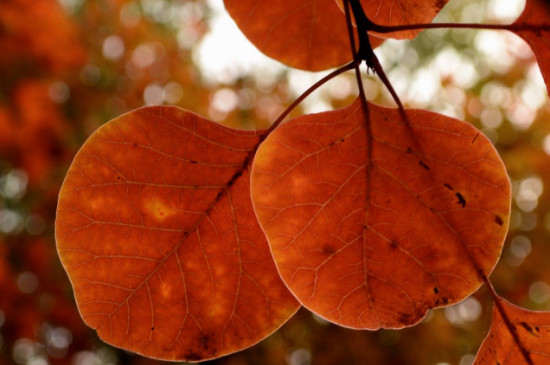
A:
[532,329]
[163,262]
[310,35]
[400,12]
[533,26]
[372,232]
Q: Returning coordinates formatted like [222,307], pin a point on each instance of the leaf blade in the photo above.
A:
[163,260]
[532,329]
[371,259]
[533,25]
[310,36]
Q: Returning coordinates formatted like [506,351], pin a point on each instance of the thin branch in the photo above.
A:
[511,27]
[304,95]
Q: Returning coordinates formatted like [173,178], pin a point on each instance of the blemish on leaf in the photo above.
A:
[461,201]
[152,328]
[529,329]
[498,220]
[448,186]
[206,342]
[424,165]
[193,162]
[193,356]
[393,245]
[328,250]
[436,290]
[409,150]
[475,138]
[406,318]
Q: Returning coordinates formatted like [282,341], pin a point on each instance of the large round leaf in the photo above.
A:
[372,221]
[156,230]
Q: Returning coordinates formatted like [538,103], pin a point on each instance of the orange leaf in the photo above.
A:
[372,232]
[162,262]
[310,35]
[533,26]
[400,12]
[532,329]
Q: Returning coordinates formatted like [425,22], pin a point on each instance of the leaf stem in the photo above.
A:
[304,95]
[511,27]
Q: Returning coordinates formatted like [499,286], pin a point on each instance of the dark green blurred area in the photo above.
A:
[68,67]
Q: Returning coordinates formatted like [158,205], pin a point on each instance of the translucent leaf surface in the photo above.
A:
[370,227]
[534,26]
[532,329]
[160,242]
[310,35]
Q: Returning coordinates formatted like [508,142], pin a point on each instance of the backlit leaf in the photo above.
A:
[370,245]
[533,25]
[532,329]
[162,263]
[310,35]
[400,12]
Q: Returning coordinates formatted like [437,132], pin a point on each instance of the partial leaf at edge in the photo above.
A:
[533,26]
[310,35]
[370,247]
[532,329]
[400,12]
[160,263]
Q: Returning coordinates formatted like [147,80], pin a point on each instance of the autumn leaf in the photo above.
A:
[310,35]
[156,230]
[373,222]
[401,12]
[533,26]
[532,328]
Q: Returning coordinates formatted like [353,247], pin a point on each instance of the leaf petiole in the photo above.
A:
[397,28]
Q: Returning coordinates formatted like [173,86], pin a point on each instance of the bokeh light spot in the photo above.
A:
[113,48]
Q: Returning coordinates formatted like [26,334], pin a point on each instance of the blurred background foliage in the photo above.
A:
[68,66]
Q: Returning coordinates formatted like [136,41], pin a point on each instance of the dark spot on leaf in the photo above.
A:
[393,245]
[193,162]
[461,201]
[193,356]
[152,328]
[498,220]
[436,291]
[118,177]
[205,339]
[424,165]
[448,186]
[409,150]
[406,318]
[328,249]
[475,138]
[134,144]
[530,329]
